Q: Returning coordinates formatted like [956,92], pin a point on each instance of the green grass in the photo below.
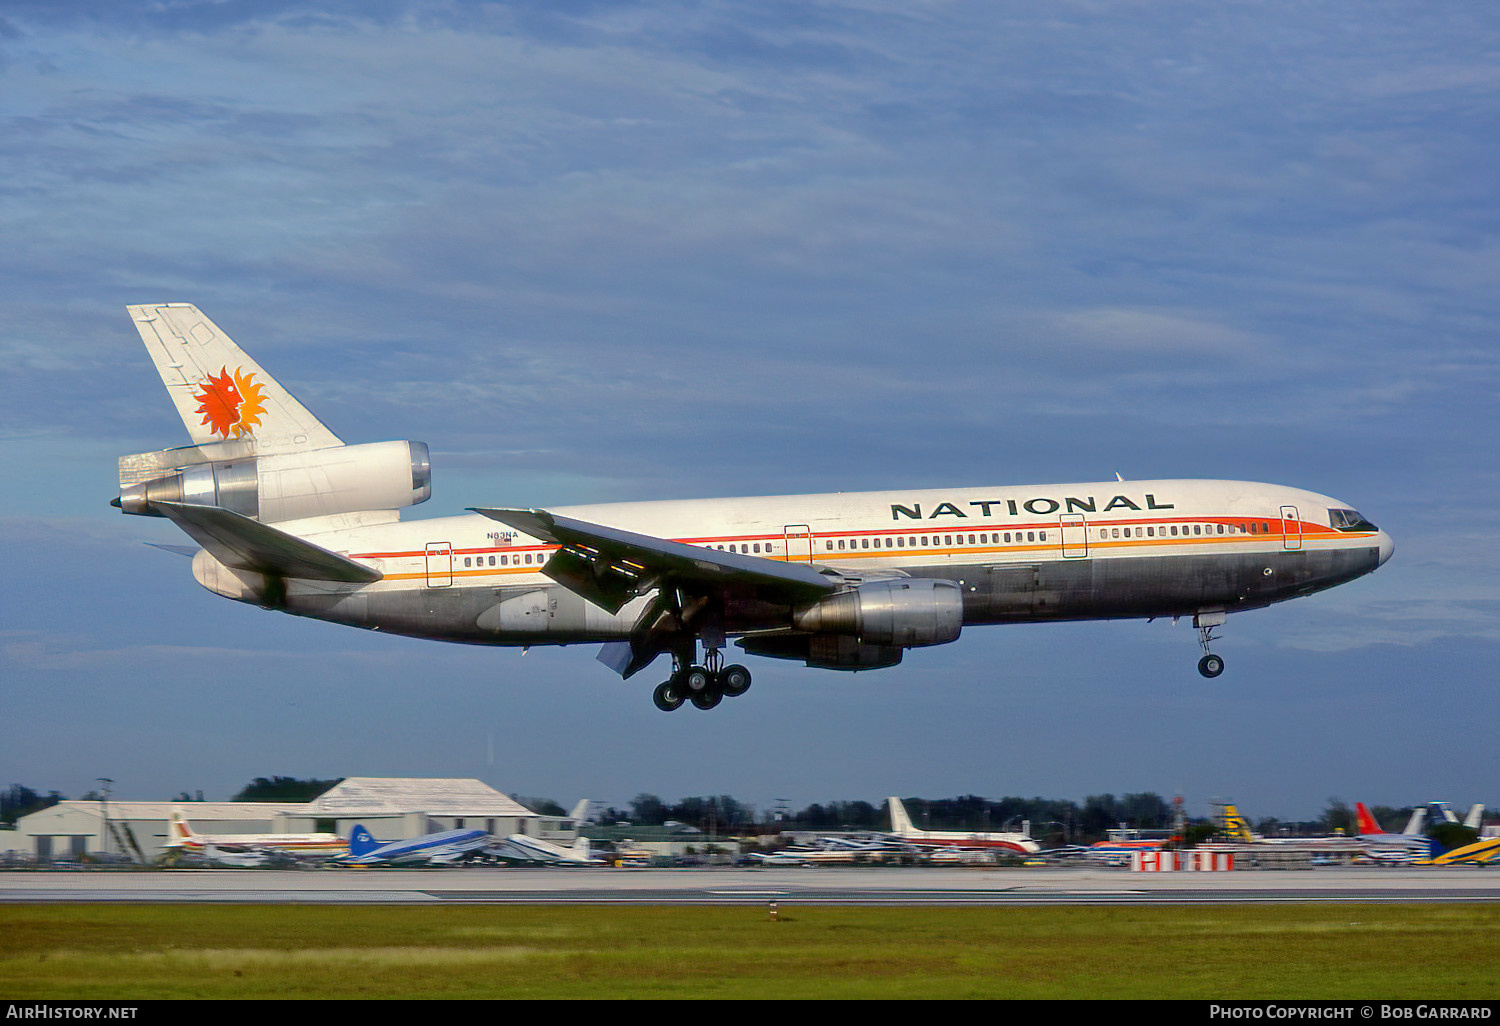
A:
[512,951]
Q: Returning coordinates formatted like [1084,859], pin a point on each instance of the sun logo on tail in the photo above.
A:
[231,403]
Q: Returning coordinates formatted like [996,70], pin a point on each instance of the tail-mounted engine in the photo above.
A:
[279,487]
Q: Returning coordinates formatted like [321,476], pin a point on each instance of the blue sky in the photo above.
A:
[618,251]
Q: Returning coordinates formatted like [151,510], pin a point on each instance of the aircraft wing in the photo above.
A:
[609,566]
[245,544]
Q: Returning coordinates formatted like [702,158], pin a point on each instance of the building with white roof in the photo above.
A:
[73,829]
[391,808]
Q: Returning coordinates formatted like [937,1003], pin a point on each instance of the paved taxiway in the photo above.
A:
[825,885]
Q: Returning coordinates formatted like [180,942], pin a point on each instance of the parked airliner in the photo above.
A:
[182,836]
[291,518]
[903,828]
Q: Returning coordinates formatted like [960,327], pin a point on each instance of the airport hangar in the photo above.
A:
[391,808]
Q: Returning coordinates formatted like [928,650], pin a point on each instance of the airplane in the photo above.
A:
[290,518]
[902,828]
[1120,845]
[440,848]
[523,849]
[1236,828]
[1369,841]
[1472,820]
[249,858]
[1410,843]
[1482,851]
[181,836]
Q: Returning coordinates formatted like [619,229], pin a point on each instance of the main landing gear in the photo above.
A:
[705,686]
[1210,665]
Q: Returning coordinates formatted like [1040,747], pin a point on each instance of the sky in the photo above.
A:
[612,251]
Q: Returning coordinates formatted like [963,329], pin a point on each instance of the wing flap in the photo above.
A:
[245,544]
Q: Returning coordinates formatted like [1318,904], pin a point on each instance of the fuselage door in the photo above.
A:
[439,564]
[1291,528]
[1075,536]
[799,542]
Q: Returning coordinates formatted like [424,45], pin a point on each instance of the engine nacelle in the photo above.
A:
[822,651]
[901,613]
[294,485]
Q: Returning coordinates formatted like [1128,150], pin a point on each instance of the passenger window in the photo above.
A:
[1151,531]
[1031,536]
[865,543]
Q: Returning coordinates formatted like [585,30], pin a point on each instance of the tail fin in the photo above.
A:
[1367,823]
[900,821]
[179,831]
[220,393]
[580,812]
[1415,824]
[360,842]
[1475,818]
[580,847]
[1236,825]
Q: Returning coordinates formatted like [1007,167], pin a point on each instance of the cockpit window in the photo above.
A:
[1349,520]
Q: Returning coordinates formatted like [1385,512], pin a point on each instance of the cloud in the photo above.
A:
[616,251]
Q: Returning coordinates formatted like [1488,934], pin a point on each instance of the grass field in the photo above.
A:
[505,951]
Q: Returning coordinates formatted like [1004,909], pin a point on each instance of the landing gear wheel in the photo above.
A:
[1211,665]
[707,698]
[695,679]
[735,680]
[668,696]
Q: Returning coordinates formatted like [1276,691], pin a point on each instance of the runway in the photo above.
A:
[908,886]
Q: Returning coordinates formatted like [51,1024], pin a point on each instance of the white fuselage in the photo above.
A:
[1036,552]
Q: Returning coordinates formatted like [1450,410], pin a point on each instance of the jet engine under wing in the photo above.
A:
[245,544]
[609,566]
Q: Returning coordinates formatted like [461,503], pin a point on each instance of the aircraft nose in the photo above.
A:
[1387,546]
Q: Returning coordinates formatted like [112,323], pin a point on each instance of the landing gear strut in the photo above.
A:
[1210,665]
[705,686]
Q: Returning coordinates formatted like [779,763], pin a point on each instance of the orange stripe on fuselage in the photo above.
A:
[1234,536]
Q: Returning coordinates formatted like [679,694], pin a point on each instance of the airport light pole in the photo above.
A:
[104,808]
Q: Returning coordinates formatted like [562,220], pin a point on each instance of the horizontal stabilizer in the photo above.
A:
[244,544]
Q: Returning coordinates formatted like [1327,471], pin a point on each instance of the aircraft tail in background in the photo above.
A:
[1235,825]
[361,842]
[900,822]
[179,831]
